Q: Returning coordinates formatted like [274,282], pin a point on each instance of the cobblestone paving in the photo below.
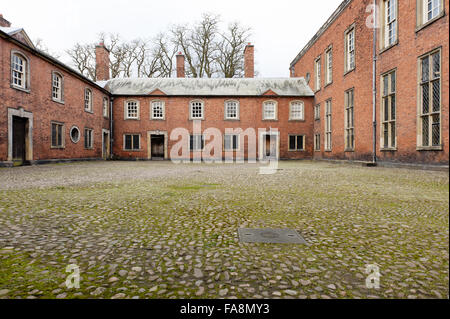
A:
[159,230]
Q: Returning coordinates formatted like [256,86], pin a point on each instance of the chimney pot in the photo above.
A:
[4,22]
[101,62]
[249,61]
[181,73]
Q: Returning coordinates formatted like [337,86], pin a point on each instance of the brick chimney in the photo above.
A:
[101,62]
[4,22]
[249,61]
[180,66]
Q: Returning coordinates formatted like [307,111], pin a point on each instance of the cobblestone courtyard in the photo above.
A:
[160,230]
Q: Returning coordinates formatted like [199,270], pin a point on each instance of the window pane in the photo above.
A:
[425,69]
[292,142]
[425,131]
[436,65]
[393,107]
[300,142]
[54,137]
[235,142]
[128,145]
[136,145]
[393,134]
[436,96]
[425,98]
[436,130]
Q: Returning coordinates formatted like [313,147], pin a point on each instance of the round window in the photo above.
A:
[75,134]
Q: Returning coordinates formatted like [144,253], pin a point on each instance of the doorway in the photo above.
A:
[105,145]
[269,146]
[19,140]
[157,147]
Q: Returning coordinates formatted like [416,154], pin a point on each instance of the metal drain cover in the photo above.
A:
[270,236]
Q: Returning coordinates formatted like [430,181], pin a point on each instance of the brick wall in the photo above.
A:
[39,101]
[177,115]
[403,56]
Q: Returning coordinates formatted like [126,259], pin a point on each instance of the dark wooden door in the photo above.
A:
[19,134]
[157,146]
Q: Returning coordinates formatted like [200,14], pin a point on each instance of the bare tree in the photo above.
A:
[208,52]
[230,50]
[83,58]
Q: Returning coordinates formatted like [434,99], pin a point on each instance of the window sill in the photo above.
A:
[426,24]
[296,150]
[388,47]
[317,91]
[196,119]
[58,101]
[90,112]
[328,84]
[349,150]
[317,119]
[106,117]
[349,71]
[125,150]
[328,151]
[158,119]
[19,88]
[296,120]
[388,149]
[270,120]
[128,119]
[232,120]
[430,148]
[89,149]
[317,151]
[57,147]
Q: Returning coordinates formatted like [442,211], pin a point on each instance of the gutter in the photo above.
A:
[374,83]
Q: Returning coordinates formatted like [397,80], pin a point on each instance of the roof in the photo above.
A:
[322,29]
[208,86]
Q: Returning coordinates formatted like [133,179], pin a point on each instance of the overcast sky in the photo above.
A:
[280,27]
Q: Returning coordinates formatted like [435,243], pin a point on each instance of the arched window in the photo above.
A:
[57,87]
[131,110]
[88,100]
[19,71]
[157,110]
[270,111]
[231,110]
[297,111]
[197,110]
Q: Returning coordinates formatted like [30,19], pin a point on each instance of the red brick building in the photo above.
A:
[412,53]
[49,112]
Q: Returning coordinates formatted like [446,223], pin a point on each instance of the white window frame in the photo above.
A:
[88,138]
[328,139]
[329,66]
[237,148]
[423,11]
[317,112]
[197,139]
[127,110]
[434,111]
[296,149]
[105,107]
[317,73]
[275,110]
[317,146]
[156,104]
[229,104]
[350,49]
[349,121]
[88,100]
[301,111]
[57,87]
[63,127]
[388,130]
[20,74]
[195,104]
[133,148]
